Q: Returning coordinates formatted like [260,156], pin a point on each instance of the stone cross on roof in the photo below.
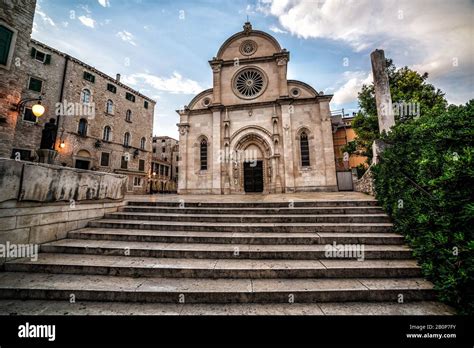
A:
[247,28]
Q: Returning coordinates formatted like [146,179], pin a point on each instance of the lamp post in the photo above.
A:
[37,109]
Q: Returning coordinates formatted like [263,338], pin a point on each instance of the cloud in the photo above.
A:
[87,21]
[431,32]
[277,30]
[104,3]
[175,84]
[44,16]
[354,80]
[127,37]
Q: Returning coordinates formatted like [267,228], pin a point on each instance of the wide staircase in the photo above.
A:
[221,253]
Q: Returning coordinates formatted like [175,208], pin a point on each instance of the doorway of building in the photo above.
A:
[253,176]
[81,164]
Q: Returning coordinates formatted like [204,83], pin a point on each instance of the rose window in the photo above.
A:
[249,83]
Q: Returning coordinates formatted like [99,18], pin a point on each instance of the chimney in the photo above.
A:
[118,78]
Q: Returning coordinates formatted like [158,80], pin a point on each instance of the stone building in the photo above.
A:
[165,164]
[255,130]
[103,125]
[16,23]
[343,134]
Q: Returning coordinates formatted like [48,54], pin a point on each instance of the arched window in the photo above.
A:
[128,116]
[107,131]
[82,129]
[304,149]
[110,107]
[85,96]
[203,154]
[142,143]
[126,139]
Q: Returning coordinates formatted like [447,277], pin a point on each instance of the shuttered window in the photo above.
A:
[89,77]
[35,84]
[104,159]
[6,36]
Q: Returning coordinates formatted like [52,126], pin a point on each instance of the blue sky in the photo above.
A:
[162,48]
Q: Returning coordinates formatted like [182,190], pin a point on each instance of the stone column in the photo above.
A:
[383,100]
[183,158]
[383,97]
[282,63]
[216,151]
[288,153]
[216,79]
[328,145]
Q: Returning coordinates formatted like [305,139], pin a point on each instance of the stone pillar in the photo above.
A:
[216,80]
[383,97]
[216,151]
[282,63]
[383,100]
[288,153]
[183,158]
[328,145]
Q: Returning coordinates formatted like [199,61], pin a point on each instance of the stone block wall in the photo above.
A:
[17,16]
[366,183]
[40,203]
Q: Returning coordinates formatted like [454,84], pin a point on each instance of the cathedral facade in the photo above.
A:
[255,130]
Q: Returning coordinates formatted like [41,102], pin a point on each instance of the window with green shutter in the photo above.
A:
[89,77]
[111,88]
[40,56]
[130,96]
[35,84]
[145,104]
[6,36]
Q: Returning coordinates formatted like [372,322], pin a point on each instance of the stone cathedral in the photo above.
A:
[255,130]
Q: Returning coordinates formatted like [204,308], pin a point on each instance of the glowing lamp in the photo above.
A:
[38,110]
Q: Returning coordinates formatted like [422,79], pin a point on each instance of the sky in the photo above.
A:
[162,48]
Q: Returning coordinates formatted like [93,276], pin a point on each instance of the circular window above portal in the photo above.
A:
[248,47]
[206,102]
[295,92]
[249,83]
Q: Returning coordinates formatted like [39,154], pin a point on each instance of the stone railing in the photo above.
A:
[366,183]
[40,203]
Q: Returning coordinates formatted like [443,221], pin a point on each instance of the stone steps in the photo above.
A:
[132,266]
[220,251]
[235,237]
[252,219]
[240,227]
[254,210]
[181,203]
[40,286]
[47,307]
[224,253]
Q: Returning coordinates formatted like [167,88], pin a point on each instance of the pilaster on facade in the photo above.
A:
[216,65]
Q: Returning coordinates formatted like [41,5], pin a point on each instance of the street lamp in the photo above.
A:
[37,109]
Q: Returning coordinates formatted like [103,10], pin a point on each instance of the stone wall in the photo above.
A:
[40,203]
[17,16]
[89,147]
[366,183]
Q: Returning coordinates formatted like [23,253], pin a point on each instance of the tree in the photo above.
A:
[424,182]
[406,86]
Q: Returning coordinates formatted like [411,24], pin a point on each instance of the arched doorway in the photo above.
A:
[250,166]
[253,169]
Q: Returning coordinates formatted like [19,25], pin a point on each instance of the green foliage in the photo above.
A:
[436,152]
[405,86]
